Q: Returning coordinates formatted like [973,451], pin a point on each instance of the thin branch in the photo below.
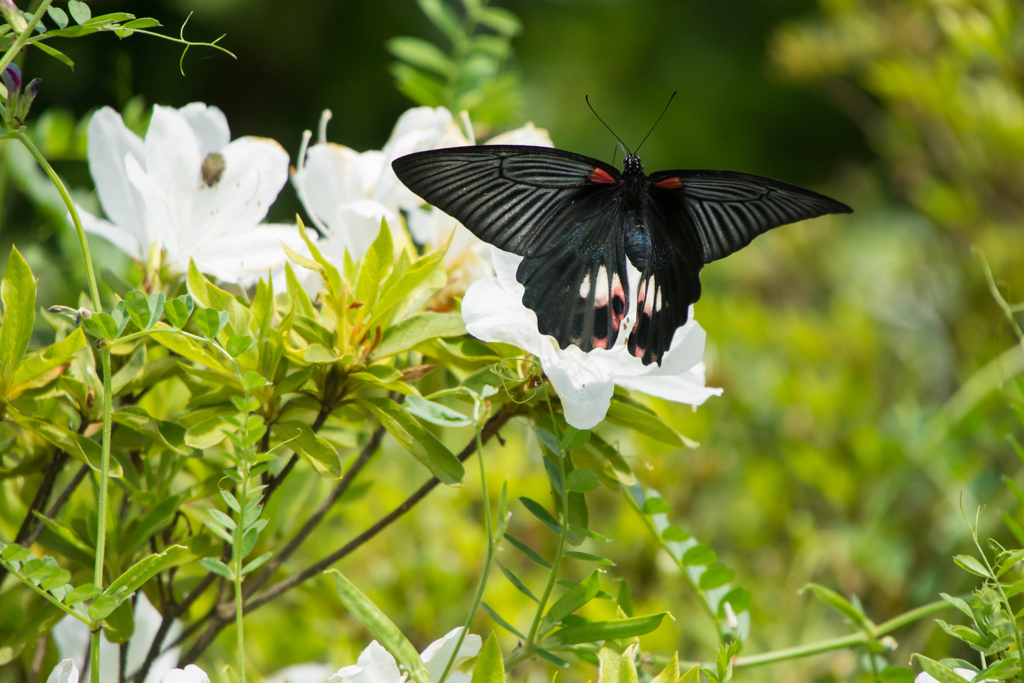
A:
[321,418]
[223,613]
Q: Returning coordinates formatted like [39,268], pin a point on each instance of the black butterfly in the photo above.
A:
[576,220]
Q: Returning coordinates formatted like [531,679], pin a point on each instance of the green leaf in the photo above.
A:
[58,16]
[514,580]
[209,432]
[215,566]
[404,285]
[582,481]
[691,676]
[238,344]
[716,575]
[674,533]
[77,446]
[86,591]
[656,506]
[255,564]
[573,439]
[940,673]
[210,322]
[168,434]
[576,597]
[422,54]
[626,412]
[18,292]
[443,18]
[971,564]
[374,265]
[538,511]
[606,630]
[434,413]
[489,667]
[700,554]
[670,674]
[505,23]
[315,450]
[158,519]
[141,23]
[129,372]
[145,569]
[416,329]
[383,629]
[738,598]
[624,598]
[254,380]
[103,606]
[179,310]
[119,625]
[39,370]
[55,53]
[80,11]
[833,599]
[16,553]
[528,551]
[137,306]
[501,621]
[422,444]
[549,440]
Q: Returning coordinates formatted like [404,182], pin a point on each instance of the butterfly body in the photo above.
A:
[576,221]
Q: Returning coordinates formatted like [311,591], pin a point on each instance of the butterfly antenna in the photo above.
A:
[587,98]
[656,122]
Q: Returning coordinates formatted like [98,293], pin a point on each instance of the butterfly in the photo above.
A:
[576,221]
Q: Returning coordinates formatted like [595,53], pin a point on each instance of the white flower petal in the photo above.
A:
[687,387]
[65,672]
[255,171]
[356,225]
[158,214]
[375,665]
[333,175]
[301,673]
[527,135]
[245,259]
[209,125]
[173,161]
[109,142]
[437,654]
[584,384]
[491,315]
[115,234]
[190,674]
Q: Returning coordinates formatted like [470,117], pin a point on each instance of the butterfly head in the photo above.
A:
[631,164]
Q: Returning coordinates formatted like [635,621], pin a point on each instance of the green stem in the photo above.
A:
[491,546]
[13,51]
[94,656]
[101,531]
[94,290]
[841,643]
[239,532]
[46,594]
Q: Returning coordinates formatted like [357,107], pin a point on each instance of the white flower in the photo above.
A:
[71,637]
[65,672]
[966,674]
[347,193]
[376,665]
[188,190]
[190,674]
[493,310]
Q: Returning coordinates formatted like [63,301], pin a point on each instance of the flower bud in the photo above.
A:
[12,79]
[25,101]
[13,16]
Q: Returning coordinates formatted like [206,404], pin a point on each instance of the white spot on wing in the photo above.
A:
[601,297]
[585,287]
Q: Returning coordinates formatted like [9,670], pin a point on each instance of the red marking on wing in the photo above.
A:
[600,176]
[669,183]
[600,343]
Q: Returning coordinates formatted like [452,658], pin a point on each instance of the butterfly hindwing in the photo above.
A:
[729,209]
[525,200]
[668,285]
[580,290]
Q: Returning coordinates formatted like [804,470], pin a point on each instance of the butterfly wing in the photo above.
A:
[521,199]
[555,208]
[694,218]
[729,209]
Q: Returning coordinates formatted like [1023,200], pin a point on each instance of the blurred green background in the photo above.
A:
[844,444]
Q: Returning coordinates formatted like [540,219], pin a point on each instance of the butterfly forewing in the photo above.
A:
[521,199]
[729,209]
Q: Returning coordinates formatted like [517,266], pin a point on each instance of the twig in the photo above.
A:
[321,418]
